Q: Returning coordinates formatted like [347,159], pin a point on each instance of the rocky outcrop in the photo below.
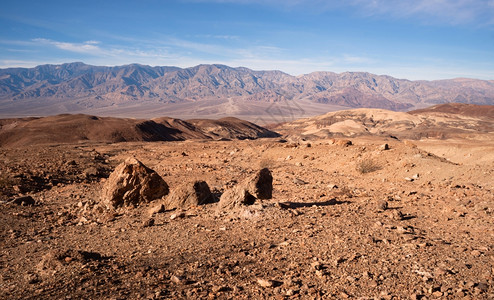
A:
[258,186]
[189,194]
[131,184]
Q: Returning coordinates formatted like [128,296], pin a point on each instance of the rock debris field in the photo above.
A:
[364,218]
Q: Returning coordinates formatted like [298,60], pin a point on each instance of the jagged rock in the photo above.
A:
[132,183]
[261,184]
[258,186]
[236,197]
[189,194]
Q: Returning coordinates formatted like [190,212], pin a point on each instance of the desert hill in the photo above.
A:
[441,121]
[468,110]
[206,90]
[84,128]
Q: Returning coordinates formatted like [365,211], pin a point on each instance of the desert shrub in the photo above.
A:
[368,166]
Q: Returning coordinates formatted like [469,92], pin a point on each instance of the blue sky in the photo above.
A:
[412,39]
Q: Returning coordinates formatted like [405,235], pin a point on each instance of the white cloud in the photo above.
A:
[89,47]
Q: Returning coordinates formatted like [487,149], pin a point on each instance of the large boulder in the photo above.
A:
[189,194]
[132,183]
[258,186]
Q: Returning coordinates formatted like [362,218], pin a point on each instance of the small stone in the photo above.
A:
[384,147]
[408,179]
[177,279]
[437,294]
[156,209]
[381,205]
[177,215]
[264,283]
[219,288]
[316,265]
[415,297]
[440,271]
[401,229]
[148,223]
[397,215]
[483,287]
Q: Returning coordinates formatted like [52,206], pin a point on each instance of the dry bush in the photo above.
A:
[368,166]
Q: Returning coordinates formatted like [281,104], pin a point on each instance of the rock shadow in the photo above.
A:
[310,204]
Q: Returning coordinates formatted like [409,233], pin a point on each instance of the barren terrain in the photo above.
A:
[364,216]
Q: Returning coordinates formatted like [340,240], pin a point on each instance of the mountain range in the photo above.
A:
[218,90]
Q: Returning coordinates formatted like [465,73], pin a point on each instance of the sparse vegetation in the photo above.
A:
[368,166]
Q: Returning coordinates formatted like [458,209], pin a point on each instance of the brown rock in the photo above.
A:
[148,223]
[131,184]
[236,197]
[344,143]
[261,184]
[264,283]
[189,194]
[381,205]
[156,209]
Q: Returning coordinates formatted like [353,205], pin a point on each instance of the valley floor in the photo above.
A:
[353,221]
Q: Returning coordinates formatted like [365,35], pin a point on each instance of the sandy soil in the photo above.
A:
[352,221]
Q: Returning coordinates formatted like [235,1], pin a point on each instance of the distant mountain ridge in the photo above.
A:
[75,87]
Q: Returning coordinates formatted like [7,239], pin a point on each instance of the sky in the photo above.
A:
[409,39]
